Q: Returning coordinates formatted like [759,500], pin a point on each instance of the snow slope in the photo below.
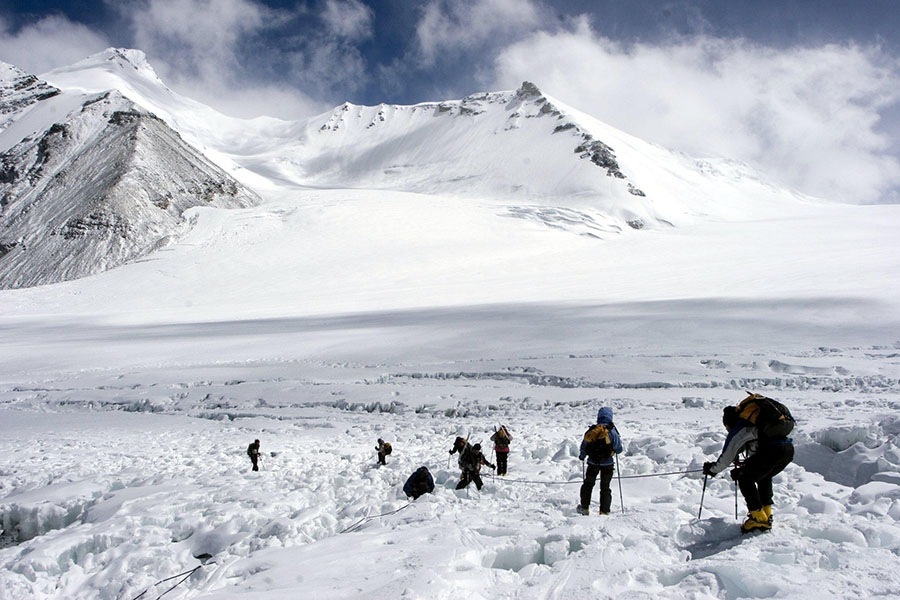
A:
[323,319]
[126,414]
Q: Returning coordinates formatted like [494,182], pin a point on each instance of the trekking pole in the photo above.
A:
[702,495]
[619,477]
[735,500]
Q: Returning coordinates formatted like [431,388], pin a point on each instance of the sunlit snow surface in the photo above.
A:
[319,325]
[324,319]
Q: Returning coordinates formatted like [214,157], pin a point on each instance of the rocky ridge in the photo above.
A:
[18,90]
[106,185]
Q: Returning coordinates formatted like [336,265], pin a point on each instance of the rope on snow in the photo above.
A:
[580,481]
[186,574]
[365,520]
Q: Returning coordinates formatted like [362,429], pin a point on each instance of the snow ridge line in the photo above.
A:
[865,383]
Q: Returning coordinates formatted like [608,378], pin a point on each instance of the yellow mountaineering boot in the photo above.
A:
[768,511]
[756,521]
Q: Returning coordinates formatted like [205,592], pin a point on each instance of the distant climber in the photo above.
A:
[383,448]
[470,462]
[253,453]
[758,427]
[601,442]
[501,438]
[420,482]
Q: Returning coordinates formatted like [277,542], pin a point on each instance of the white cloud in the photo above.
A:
[805,116]
[209,50]
[328,65]
[249,101]
[48,43]
[449,26]
[195,37]
[350,19]
[199,48]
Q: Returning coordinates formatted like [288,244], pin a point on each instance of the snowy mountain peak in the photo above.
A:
[122,69]
[529,90]
[120,58]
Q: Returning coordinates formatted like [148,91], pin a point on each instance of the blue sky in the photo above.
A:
[807,91]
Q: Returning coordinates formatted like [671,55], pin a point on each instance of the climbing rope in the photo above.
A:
[661,474]
[543,482]
[365,520]
[186,574]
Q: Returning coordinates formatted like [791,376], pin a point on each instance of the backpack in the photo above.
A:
[771,418]
[387,448]
[502,437]
[599,445]
[470,459]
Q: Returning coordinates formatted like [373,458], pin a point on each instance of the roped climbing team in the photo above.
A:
[757,445]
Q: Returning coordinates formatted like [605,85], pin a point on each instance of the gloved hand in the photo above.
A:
[707,469]
[736,473]
[449,451]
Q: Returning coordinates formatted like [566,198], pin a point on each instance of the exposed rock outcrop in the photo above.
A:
[104,187]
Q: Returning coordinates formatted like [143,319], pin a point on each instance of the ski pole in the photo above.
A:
[619,477]
[494,472]
[735,500]
[702,495]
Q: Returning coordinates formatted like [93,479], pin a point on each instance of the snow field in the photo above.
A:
[331,252]
[116,480]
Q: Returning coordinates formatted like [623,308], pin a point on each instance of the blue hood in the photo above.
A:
[605,416]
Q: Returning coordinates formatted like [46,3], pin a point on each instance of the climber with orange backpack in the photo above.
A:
[758,427]
[383,448]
